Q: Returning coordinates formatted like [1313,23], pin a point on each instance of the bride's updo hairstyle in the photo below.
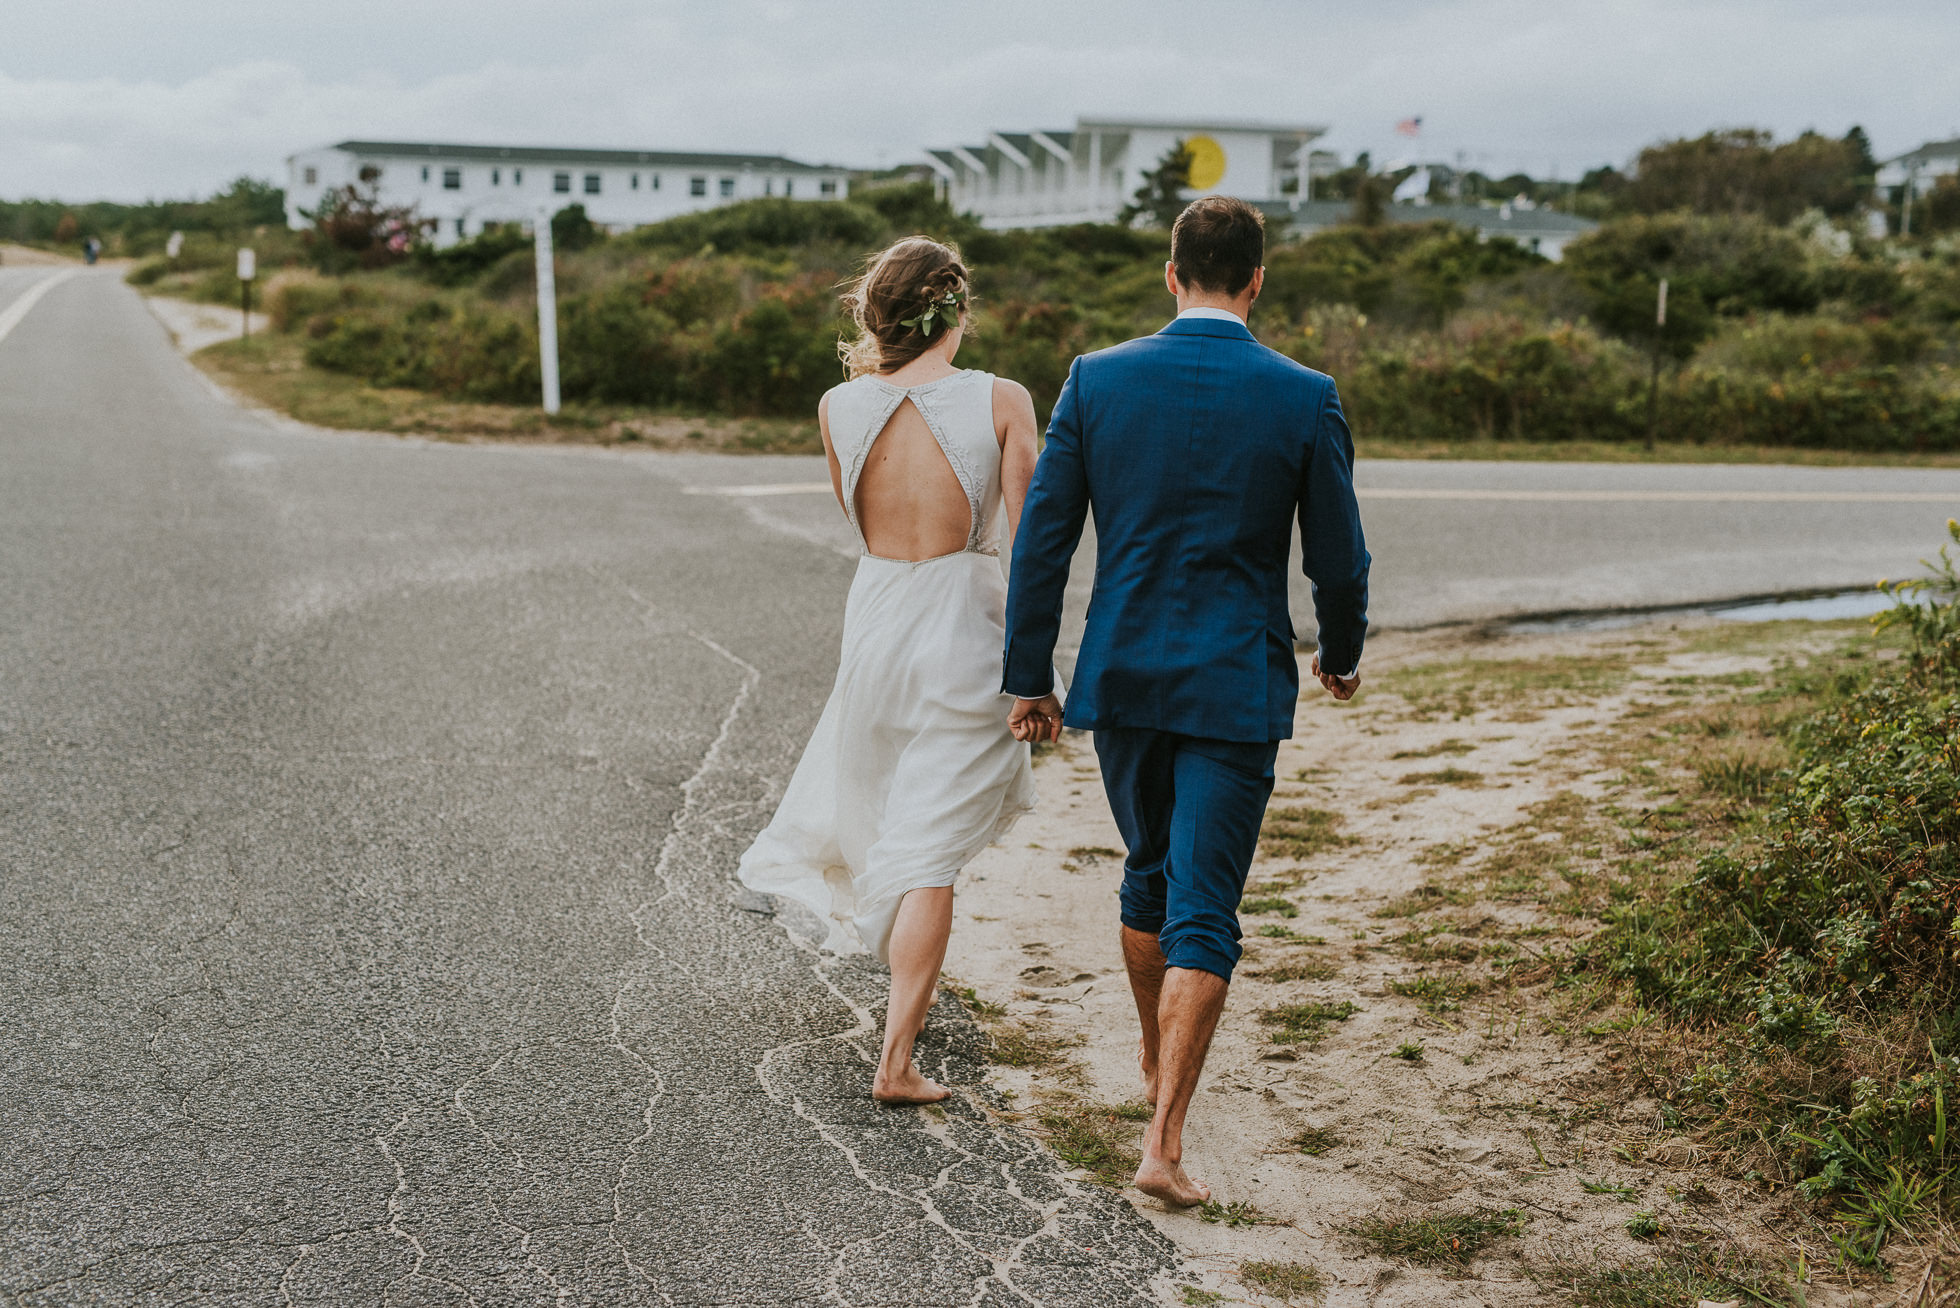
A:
[904,283]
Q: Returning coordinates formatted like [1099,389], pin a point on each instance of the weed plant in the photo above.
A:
[1813,964]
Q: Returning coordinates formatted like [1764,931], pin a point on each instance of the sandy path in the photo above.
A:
[1502,1109]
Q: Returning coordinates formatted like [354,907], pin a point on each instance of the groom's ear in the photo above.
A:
[1170,278]
[1258,280]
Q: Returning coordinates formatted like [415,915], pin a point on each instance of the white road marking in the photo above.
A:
[1518,496]
[10,316]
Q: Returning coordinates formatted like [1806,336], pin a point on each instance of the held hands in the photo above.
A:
[1032,721]
[1338,687]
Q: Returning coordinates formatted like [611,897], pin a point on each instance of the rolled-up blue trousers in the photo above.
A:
[1189,810]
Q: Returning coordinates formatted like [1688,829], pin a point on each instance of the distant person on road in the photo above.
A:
[91,250]
[1197,449]
[913,768]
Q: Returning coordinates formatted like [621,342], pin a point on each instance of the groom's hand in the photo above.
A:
[1035,720]
[1338,687]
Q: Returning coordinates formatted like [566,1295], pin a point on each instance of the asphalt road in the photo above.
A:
[368,810]
[367,931]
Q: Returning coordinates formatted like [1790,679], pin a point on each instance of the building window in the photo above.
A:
[561,183]
[592,183]
[517,177]
[312,176]
[370,173]
[827,187]
[425,172]
[496,177]
[653,181]
[459,228]
[636,181]
[727,188]
[452,179]
[789,188]
[697,186]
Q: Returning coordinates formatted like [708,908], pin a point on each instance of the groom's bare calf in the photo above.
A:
[1144,959]
[1187,1015]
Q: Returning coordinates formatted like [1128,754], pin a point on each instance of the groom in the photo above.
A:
[1196,449]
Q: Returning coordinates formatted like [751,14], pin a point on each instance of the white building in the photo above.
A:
[465,187]
[1542,231]
[1918,169]
[1043,179]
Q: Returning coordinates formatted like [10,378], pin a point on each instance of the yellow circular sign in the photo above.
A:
[1207,162]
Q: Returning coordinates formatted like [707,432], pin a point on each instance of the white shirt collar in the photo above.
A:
[1205,311]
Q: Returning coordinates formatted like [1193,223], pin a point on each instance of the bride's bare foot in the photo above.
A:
[906,1086]
[1167,1181]
[1148,1067]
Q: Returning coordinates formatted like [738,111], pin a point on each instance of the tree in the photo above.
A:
[1713,266]
[353,227]
[571,229]
[1743,171]
[1161,197]
[246,203]
[68,230]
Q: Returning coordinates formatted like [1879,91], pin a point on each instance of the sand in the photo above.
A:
[1489,1114]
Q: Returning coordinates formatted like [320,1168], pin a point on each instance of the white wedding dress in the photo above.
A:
[911,771]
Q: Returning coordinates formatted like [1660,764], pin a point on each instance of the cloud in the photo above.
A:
[145,109]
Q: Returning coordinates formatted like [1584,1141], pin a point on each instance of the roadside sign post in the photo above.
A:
[547,313]
[248,268]
[1654,377]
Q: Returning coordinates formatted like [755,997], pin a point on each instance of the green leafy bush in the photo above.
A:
[1831,955]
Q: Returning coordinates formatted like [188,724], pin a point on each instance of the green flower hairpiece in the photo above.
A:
[942,312]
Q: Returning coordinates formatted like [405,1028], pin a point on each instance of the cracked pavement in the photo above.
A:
[368,814]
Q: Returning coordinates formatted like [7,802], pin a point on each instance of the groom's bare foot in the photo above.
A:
[906,1087]
[1147,1066]
[1167,1181]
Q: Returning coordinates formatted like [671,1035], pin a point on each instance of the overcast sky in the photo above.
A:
[128,99]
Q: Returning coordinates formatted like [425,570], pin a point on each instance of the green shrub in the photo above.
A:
[1831,956]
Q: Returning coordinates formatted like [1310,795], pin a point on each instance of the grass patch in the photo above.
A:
[1314,1141]
[1239,1212]
[1300,832]
[1461,688]
[270,370]
[1452,746]
[1012,1044]
[1409,1051]
[1680,1277]
[1439,1237]
[1437,994]
[1097,1138]
[1442,777]
[1305,1024]
[1191,1294]
[1626,1194]
[1287,1282]
[1275,904]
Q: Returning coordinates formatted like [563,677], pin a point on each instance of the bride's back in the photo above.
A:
[910,504]
[915,494]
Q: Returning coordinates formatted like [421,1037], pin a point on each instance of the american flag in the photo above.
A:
[1409,126]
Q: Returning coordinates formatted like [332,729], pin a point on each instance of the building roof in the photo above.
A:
[1926,153]
[1505,220]
[549,155]
[1207,125]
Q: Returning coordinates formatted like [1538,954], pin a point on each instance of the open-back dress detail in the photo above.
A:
[911,771]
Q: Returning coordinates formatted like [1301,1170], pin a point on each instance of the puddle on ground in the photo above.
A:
[1805,608]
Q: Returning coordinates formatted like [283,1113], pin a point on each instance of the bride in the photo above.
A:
[912,769]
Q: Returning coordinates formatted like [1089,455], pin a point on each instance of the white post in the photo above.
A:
[547,312]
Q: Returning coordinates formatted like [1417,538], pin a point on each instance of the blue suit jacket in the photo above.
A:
[1196,449]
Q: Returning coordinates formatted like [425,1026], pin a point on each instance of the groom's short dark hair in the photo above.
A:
[1217,243]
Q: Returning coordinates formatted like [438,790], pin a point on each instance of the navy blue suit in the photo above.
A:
[1197,449]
